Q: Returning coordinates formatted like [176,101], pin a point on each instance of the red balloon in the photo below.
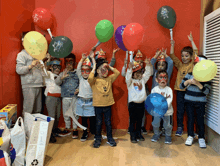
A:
[133,36]
[42,18]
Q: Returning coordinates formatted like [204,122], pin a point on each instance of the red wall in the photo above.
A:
[77,20]
[15,18]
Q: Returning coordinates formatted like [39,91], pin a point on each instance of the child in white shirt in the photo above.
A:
[136,80]
[163,89]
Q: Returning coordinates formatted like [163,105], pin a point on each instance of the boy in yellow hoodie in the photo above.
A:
[184,67]
[103,99]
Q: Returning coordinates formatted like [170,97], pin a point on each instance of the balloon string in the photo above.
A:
[97,44]
[49,31]
[44,66]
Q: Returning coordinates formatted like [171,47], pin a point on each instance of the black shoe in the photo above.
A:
[139,137]
[133,139]
[97,143]
[56,132]
[52,139]
[84,136]
[143,130]
[65,133]
[111,142]
[75,134]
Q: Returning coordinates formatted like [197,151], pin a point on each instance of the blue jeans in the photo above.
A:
[167,124]
[99,111]
[180,107]
[200,112]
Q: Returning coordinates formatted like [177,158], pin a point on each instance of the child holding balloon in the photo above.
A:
[103,99]
[161,61]
[136,80]
[84,107]
[69,82]
[53,94]
[31,80]
[184,67]
[195,98]
[166,91]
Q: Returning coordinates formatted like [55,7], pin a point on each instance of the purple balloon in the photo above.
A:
[118,37]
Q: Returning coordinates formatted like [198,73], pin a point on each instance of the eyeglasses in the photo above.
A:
[86,71]
[56,67]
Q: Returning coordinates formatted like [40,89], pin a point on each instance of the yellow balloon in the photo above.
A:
[35,44]
[1,141]
[205,70]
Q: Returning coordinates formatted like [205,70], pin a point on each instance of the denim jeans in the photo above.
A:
[99,111]
[136,112]
[200,112]
[167,124]
[180,107]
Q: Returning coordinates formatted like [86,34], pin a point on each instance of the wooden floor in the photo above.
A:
[71,152]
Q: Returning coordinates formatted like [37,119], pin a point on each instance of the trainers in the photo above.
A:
[111,142]
[84,136]
[97,143]
[143,130]
[179,131]
[56,132]
[64,133]
[189,141]
[168,140]
[139,137]
[52,138]
[202,143]
[133,139]
[75,134]
[155,138]
[163,132]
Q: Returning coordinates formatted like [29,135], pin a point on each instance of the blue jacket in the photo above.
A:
[68,84]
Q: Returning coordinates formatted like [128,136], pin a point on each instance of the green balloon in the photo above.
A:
[60,47]
[104,30]
[166,16]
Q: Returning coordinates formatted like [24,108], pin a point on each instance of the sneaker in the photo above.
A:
[133,139]
[111,142]
[52,139]
[97,143]
[168,140]
[56,132]
[155,138]
[202,143]
[163,132]
[143,130]
[75,134]
[179,131]
[84,136]
[64,133]
[189,141]
[139,137]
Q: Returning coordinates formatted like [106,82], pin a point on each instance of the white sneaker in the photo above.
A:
[202,143]
[189,141]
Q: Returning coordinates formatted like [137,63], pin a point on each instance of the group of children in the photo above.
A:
[88,90]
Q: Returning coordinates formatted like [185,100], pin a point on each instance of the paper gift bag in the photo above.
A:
[19,142]
[39,139]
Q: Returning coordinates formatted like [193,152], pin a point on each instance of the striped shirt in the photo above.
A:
[193,93]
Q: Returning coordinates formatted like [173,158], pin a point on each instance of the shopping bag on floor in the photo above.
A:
[4,144]
[28,122]
[39,139]
[19,142]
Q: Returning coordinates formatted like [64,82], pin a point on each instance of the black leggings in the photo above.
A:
[92,120]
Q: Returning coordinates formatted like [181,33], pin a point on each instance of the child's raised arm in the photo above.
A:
[112,63]
[154,60]
[91,78]
[128,76]
[78,70]
[176,61]
[148,70]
